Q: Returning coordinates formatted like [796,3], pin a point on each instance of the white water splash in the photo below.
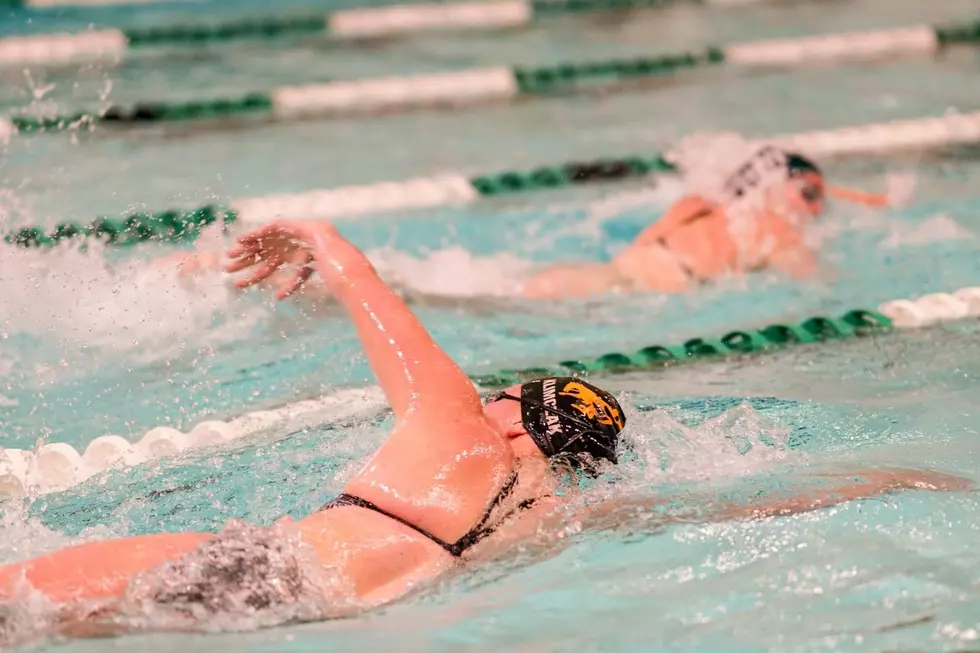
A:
[26,536]
[739,442]
[71,295]
[935,228]
[452,272]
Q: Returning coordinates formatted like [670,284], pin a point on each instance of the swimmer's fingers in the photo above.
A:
[274,233]
[261,273]
[241,259]
[294,282]
[303,264]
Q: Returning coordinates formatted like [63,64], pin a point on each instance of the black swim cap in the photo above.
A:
[797,164]
[568,417]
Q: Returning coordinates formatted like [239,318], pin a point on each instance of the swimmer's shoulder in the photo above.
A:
[693,205]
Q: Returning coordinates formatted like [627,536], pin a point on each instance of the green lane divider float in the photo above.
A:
[496,84]
[170,226]
[860,322]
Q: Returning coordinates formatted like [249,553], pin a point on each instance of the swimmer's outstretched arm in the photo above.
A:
[856,196]
[837,488]
[843,487]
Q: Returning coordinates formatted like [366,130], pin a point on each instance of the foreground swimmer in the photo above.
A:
[699,240]
[456,480]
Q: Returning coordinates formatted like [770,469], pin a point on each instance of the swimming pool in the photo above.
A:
[98,343]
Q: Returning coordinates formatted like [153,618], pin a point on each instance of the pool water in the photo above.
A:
[98,342]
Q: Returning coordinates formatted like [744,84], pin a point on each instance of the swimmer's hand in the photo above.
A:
[284,243]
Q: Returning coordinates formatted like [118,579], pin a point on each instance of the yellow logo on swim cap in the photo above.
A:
[591,405]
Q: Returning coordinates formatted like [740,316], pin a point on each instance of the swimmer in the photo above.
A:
[699,240]
[458,479]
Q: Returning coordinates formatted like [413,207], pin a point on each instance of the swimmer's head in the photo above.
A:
[566,418]
[805,186]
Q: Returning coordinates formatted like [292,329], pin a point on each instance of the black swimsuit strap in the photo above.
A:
[482,530]
[476,534]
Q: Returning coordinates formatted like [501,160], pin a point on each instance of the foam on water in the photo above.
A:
[456,272]
[75,297]
[452,272]
[935,228]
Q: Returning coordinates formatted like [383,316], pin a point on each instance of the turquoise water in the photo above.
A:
[98,343]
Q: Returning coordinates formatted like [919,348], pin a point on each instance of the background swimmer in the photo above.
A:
[457,480]
[748,208]
[755,219]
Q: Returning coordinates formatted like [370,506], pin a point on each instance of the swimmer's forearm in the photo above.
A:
[859,196]
[847,486]
[408,363]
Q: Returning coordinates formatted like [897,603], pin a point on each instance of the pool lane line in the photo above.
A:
[344,25]
[62,4]
[59,466]
[493,84]
[177,225]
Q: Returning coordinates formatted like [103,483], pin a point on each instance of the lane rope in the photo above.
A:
[58,466]
[176,225]
[345,25]
[470,86]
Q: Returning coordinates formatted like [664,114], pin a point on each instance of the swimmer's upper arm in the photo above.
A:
[418,378]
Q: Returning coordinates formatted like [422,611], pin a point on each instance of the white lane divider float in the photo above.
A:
[63,48]
[397,20]
[934,308]
[58,466]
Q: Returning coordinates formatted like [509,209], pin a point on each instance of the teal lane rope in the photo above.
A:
[452,189]
[495,84]
[859,322]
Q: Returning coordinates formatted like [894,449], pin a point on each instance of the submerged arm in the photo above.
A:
[843,487]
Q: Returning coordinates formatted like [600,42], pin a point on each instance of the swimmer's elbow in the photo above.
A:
[798,263]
